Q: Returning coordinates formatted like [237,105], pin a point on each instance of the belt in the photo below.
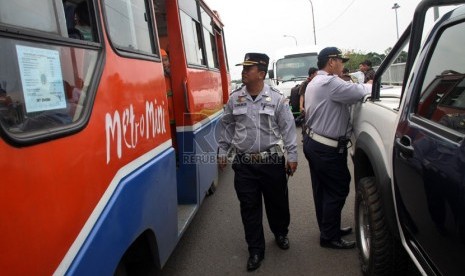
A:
[323,140]
[254,157]
[259,156]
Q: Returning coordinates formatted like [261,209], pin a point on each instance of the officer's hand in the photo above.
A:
[291,167]
[222,162]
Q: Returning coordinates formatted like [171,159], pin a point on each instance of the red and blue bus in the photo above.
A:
[103,164]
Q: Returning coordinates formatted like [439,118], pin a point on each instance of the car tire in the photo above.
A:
[379,252]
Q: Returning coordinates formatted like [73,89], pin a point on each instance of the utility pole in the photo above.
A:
[395,7]
[313,16]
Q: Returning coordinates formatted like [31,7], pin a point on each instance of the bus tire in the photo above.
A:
[141,258]
[379,252]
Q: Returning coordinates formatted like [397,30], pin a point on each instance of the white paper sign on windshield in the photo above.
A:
[41,78]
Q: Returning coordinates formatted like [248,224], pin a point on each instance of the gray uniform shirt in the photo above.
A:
[253,126]
[327,104]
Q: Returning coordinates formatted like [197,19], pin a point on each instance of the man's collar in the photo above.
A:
[261,90]
[324,73]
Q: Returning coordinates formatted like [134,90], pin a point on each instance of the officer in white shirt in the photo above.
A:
[256,121]
[327,120]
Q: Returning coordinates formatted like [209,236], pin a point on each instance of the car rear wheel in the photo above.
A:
[379,252]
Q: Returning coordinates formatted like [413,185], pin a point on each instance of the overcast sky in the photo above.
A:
[260,25]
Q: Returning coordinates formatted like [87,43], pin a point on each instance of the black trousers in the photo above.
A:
[252,181]
[331,183]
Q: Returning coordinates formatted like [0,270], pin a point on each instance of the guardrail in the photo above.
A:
[394,74]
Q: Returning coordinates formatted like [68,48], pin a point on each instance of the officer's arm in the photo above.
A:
[286,126]
[348,93]
[226,127]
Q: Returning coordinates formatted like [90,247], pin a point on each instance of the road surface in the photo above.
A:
[214,242]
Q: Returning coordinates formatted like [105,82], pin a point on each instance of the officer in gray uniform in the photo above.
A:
[256,121]
[327,102]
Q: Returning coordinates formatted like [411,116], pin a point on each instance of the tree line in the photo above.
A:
[357,57]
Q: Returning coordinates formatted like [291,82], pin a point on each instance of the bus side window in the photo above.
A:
[78,21]
[130,25]
[210,42]
[162,24]
[69,14]
[46,16]
[191,33]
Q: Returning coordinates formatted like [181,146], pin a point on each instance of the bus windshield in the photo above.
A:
[295,67]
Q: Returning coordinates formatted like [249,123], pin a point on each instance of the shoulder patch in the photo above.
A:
[236,90]
[275,90]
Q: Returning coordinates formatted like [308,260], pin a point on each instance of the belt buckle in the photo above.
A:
[276,149]
[258,157]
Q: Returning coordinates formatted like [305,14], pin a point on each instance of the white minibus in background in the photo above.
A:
[289,66]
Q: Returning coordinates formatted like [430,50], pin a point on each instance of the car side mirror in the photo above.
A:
[271,74]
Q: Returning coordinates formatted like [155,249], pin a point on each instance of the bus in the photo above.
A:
[104,157]
[290,66]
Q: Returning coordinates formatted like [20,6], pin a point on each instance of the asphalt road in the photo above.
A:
[214,243]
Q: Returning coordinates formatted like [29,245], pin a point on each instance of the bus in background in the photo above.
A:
[102,168]
[290,66]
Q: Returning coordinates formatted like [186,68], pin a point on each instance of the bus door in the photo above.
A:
[189,32]
[162,32]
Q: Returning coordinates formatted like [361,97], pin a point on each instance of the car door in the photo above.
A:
[429,154]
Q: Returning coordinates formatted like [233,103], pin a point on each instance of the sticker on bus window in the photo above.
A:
[41,78]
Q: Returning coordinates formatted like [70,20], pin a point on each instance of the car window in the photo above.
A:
[442,98]
[393,77]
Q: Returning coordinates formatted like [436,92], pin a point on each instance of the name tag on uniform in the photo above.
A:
[268,104]
[240,104]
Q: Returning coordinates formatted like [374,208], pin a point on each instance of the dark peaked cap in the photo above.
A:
[255,59]
[331,52]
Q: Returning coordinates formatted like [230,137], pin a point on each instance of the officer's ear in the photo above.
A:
[262,74]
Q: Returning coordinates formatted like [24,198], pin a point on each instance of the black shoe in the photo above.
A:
[254,262]
[346,231]
[282,242]
[340,244]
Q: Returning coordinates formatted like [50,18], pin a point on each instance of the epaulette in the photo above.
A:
[234,91]
[276,90]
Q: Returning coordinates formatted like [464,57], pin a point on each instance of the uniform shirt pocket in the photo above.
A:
[267,119]
[267,110]
[239,110]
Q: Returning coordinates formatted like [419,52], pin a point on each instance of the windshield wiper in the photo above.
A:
[294,79]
